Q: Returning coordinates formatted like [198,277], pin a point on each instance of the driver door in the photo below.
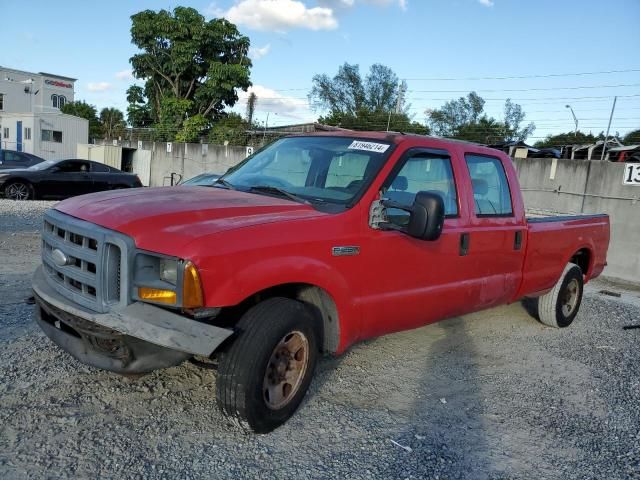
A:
[416,281]
[67,179]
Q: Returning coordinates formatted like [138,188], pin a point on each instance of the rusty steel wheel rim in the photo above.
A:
[285,370]
[571,297]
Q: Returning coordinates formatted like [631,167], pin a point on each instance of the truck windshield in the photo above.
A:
[316,169]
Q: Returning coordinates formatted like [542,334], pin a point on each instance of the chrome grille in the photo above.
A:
[84,262]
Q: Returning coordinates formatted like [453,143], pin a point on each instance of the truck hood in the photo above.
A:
[165,219]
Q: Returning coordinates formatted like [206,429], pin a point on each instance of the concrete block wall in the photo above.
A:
[581,186]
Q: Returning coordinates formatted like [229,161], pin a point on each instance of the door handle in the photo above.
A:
[464,244]
[517,241]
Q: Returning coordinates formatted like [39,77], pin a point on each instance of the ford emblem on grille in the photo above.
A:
[59,257]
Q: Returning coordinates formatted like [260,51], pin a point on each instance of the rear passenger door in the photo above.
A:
[101,177]
[496,233]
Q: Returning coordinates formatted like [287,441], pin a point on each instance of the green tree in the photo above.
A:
[113,123]
[632,138]
[465,119]
[138,111]
[230,128]
[371,103]
[367,120]
[199,64]
[83,110]
[251,107]
[569,138]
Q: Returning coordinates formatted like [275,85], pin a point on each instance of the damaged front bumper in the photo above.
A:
[137,339]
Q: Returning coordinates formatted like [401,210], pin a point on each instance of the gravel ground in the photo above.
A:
[489,395]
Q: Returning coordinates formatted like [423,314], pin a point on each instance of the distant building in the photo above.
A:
[30,117]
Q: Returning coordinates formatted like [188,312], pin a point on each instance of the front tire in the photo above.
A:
[559,307]
[265,373]
[19,191]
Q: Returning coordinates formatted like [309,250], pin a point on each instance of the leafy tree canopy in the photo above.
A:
[569,138]
[367,120]
[369,103]
[230,128]
[191,68]
[465,119]
[113,123]
[632,138]
[83,110]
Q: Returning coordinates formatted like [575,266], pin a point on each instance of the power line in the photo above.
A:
[532,89]
[520,77]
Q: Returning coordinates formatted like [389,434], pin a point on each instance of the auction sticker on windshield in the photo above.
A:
[369,146]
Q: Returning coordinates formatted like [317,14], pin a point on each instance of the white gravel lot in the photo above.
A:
[487,396]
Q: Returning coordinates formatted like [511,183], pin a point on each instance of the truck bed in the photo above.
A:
[555,240]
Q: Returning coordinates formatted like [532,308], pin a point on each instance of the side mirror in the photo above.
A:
[426,216]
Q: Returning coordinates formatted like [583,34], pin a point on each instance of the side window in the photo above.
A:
[5,132]
[27,133]
[14,157]
[74,167]
[54,100]
[347,171]
[423,172]
[491,193]
[99,167]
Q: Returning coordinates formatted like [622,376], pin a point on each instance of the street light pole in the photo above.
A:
[574,119]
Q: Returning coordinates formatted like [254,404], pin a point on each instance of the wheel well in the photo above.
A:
[317,299]
[582,258]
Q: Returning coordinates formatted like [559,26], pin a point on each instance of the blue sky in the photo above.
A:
[423,41]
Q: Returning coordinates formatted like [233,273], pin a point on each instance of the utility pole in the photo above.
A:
[606,137]
[264,132]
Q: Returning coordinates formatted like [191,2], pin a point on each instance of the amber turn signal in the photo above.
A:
[192,296]
[157,295]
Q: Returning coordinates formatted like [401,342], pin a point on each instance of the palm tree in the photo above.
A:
[113,123]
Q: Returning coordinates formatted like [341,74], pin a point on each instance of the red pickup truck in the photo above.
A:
[311,244]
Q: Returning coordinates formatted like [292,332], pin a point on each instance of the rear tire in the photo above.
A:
[19,191]
[265,373]
[559,307]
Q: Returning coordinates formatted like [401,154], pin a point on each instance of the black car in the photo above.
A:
[62,179]
[11,159]
[204,179]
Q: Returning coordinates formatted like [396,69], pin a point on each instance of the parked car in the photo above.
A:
[63,179]
[309,246]
[204,179]
[11,159]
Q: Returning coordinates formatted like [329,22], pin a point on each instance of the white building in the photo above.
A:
[47,135]
[30,118]
[22,92]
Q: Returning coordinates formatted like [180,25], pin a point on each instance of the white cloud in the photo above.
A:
[350,3]
[486,3]
[124,75]
[280,15]
[98,86]
[275,103]
[256,53]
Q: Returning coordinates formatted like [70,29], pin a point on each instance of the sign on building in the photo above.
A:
[632,174]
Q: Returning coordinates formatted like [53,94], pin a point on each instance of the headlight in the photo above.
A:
[167,281]
[169,271]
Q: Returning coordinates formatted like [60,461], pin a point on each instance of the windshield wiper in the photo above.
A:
[280,191]
[224,183]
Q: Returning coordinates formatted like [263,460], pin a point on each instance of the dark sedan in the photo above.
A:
[62,179]
[11,159]
[204,180]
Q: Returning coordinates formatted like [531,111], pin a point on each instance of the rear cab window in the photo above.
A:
[491,193]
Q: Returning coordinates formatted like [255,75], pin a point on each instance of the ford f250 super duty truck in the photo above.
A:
[311,244]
